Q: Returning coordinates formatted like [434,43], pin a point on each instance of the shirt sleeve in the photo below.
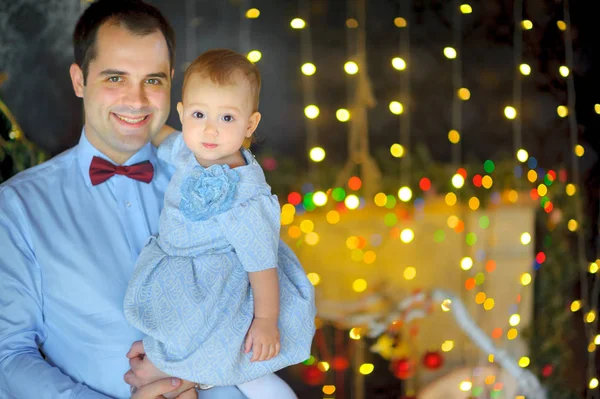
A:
[23,371]
[252,228]
[171,148]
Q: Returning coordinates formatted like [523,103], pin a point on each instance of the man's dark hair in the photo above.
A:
[136,16]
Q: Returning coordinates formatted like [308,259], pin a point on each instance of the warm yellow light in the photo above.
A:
[369,257]
[359,285]
[312,238]
[526,279]
[513,196]
[575,306]
[570,189]
[311,111]
[314,278]
[398,63]
[590,316]
[464,93]
[593,383]
[452,221]
[307,226]
[524,361]
[366,368]
[597,340]
[512,334]
[597,108]
[254,56]
[450,53]
[397,150]
[532,175]
[342,115]
[542,190]
[466,386]
[352,242]
[351,67]
[487,181]
[591,347]
[572,225]
[522,155]
[561,25]
[525,69]
[562,111]
[466,263]
[252,13]
[480,298]
[288,208]
[458,181]
[297,23]
[450,199]
[323,366]
[489,304]
[525,238]
[510,112]
[446,305]
[308,69]
[352,23]
[352,201]
[410,273]
[396,108]
[466,9]
[333,217]
[405,194]
[400,22]
[319,198]
[474,203]
[317,154]
[355,333]
[407,235]
[564,71]
[593,268]
[447,346]
[579,150]
[453,136]
[328,389]
[527,24]
[380,199]
[514,320]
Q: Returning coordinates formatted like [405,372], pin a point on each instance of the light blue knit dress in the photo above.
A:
[190,291]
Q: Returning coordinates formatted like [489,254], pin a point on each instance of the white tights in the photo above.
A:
[268,387]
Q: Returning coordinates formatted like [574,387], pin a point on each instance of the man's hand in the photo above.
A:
[263,339]
[143,374]
[157,389]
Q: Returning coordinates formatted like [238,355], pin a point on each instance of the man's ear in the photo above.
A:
[180,111]
[253,123]
[77,79]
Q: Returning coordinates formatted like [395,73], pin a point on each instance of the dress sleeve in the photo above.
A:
[252,228]
[171,149]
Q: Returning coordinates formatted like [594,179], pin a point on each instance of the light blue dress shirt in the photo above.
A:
[67,252]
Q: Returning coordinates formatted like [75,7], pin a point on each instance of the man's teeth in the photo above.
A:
[130,120]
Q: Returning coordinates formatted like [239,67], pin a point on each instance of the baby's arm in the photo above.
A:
[263,335]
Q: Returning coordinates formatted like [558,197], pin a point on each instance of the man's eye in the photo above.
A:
[153,81]
[198,115]
[114,79]
[228,118]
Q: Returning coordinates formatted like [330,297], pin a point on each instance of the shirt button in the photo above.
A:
[128,204]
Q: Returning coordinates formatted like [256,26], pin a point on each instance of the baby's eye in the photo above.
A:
[198,115]
[228,118]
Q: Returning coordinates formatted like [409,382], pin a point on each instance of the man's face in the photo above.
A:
[127,93]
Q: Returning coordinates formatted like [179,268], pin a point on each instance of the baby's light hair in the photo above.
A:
[221,66]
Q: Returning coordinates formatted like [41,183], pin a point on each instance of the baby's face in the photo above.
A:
[216,119]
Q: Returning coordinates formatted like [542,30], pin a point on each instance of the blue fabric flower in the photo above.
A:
[206,192]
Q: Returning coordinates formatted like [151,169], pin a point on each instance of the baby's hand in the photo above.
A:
[263,339]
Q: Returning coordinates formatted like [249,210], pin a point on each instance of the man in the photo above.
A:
[72,228]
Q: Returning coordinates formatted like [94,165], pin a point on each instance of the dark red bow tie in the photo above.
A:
[101,170]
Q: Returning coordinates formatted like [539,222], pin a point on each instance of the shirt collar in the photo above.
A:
[86,151]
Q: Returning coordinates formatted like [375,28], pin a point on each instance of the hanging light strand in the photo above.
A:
[517,124]
[405,125]
[590,304]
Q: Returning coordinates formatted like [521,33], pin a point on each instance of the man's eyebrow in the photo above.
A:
[111,72]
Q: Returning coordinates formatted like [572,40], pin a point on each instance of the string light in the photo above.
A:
[398,63]
[510,112]
[564,71]
[397,150]
[311,111]
[450,53]
[396,108]
[342,115]
[400,22]
[453,136]
[308,69]
[297,23]
[351,67]
[317,154]
[525,69]
[527,24]
[254,55]
[522,155]
[466,9]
